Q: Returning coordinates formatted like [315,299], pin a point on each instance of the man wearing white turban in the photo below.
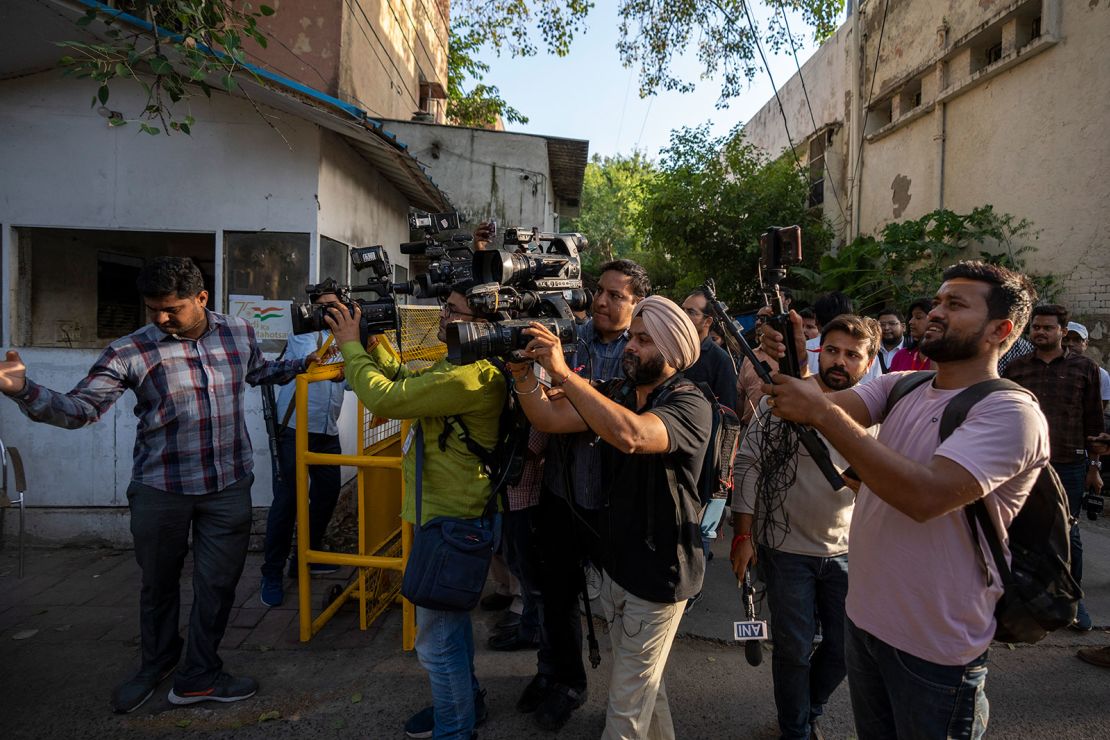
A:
[652,428]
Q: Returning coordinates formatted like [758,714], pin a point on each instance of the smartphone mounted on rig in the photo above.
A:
[779,248]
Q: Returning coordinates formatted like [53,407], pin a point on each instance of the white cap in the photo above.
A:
[1078,329]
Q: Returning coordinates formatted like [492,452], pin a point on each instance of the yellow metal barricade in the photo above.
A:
[383,540]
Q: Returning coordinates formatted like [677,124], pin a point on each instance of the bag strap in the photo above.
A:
[904,385]
[954,414]
[419,472]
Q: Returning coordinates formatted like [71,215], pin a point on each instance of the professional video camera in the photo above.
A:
[378,316]
[449,258]
[538,275]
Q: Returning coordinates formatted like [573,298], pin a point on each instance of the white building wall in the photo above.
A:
[64,167]
[1025,136]
[486,174]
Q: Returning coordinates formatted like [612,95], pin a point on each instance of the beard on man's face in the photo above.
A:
[944,347]
[640,371]
[836,378]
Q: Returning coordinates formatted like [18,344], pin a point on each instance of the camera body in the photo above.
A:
[378,316]
[1093,504]
[538,276]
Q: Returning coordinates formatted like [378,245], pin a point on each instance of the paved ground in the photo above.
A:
[69,633]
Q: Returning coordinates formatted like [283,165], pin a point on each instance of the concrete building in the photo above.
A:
[914,106]
[517,179]
[267,194]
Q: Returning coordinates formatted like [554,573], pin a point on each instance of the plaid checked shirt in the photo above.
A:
[192,435]
[1069,391]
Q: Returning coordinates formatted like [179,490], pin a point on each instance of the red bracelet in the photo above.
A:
[736,541]
[559,382]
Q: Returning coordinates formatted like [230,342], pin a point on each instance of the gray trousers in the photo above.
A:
[160,524]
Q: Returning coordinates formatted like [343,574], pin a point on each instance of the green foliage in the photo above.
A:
[482,105]
[652,34]
[613,191]
[205,49]
[708,204]
[906,261]
[655,32]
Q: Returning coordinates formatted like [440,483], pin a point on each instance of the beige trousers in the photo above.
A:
[641,632]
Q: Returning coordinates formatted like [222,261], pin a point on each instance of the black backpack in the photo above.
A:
[715,481]
[504,464]
[1039,594]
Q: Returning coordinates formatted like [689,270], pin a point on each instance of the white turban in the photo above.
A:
[671,330]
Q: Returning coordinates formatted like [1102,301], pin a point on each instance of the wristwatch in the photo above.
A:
[1096,464]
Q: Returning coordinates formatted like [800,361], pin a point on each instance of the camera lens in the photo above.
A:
[470,341]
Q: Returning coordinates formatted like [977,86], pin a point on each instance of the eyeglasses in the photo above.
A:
[693,312]
[448,310]
[889,324]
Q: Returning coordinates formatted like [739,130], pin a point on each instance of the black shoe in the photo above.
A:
[226,688]
[557,706]
[508,623]
[690,602]
[423,723]
[132,694]
[534,694]
[513,640]
[496,602]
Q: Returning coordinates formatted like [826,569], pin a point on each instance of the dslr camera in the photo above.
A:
[537,276]
[378,316]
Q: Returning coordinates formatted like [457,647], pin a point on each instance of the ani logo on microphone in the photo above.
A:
[744,631]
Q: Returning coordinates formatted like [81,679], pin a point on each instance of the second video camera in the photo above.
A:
[378,316]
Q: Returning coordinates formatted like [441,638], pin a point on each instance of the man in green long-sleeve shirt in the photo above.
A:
[454,484]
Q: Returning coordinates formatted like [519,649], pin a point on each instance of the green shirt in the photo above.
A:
[455,484]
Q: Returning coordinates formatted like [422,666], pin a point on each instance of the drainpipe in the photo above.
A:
[856,132]
[941,112]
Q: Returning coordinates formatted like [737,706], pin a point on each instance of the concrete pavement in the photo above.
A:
[69,633]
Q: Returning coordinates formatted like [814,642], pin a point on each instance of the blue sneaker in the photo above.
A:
[272,592]
[315,570]
[1082,621]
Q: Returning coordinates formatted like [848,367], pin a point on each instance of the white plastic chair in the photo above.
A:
[11,456]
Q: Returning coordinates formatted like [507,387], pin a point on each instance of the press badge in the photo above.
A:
[408,440]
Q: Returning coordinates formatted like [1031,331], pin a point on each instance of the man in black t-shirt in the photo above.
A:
[653,430]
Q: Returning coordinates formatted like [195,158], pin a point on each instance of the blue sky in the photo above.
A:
[589,95]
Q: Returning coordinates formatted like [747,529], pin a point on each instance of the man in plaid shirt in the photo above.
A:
[189,369]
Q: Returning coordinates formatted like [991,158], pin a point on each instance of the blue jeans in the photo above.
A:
[798,588]
[1073,476]
[445,647]
[709,522]
[896,695]
[323,492]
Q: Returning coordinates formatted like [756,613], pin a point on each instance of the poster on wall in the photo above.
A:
[270,318]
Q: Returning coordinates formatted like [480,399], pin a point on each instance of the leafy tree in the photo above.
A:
[205,45]
[654,32]
[907,258]
[613,190]
[708,204]
[482,106]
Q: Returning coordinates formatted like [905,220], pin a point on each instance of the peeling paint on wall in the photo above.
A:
[901,197]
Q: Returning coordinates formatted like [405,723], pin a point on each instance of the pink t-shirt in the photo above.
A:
[921,587]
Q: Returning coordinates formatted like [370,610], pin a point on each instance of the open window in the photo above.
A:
[75,288]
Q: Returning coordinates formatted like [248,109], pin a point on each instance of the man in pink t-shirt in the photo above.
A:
[920,608]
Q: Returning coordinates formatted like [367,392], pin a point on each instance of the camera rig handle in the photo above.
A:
[737,345]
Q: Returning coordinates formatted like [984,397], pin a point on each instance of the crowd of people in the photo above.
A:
[608,507]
